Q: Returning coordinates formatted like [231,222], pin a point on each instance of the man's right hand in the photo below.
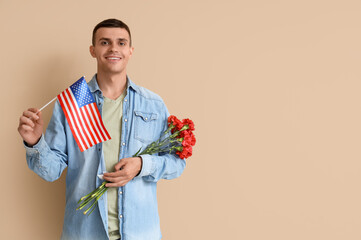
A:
[31,126]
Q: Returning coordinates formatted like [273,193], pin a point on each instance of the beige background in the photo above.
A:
[273,87]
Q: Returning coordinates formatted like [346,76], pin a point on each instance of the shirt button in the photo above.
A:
[123,143]
[120,192]
[125,100]
[120,216]
[125,120]
[146,119]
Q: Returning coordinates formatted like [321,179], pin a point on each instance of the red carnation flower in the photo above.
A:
[185,153]
[189,122]
[173,120]
[193,140]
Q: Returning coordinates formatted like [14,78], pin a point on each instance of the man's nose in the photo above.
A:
[114,48]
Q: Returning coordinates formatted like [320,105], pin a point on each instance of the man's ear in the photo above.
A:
[91,50]
[131,51]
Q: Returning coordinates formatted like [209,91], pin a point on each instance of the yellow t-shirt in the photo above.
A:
[112,118]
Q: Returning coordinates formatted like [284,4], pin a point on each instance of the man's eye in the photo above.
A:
[104,43]
[122,44]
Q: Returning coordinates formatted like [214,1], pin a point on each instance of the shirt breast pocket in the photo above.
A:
[146,126]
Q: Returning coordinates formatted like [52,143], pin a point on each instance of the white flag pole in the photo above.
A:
[49,102]
[46,105]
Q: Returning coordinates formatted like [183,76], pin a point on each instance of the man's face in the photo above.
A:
[111,49]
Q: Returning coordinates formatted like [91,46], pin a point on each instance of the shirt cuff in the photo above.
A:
[41,144]
[147,166]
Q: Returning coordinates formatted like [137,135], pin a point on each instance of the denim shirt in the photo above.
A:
[144,119]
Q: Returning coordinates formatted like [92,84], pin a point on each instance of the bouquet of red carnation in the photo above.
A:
[180,141]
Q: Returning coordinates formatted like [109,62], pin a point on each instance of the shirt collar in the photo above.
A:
[93,85]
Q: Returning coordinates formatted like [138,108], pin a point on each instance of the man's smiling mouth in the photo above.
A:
[113,58]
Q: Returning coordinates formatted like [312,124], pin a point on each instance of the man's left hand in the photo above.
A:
[125,170]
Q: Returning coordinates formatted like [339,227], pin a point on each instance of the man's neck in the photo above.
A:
[112,85]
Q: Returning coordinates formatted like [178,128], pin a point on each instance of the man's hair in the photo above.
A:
[111,23]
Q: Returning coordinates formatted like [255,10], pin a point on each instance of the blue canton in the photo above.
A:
[82,93]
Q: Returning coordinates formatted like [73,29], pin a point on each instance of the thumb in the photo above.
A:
[40,120]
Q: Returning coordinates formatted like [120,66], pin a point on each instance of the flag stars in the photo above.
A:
[82,93]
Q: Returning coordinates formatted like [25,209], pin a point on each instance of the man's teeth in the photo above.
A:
[113,58]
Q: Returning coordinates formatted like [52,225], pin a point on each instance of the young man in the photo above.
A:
[134,117]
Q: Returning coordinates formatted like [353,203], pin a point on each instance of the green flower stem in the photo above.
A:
[102,192]
[164,141]
[92,210]
[169,150]
[85,202]
[91,207]
[91,196]
[158,148]
[155,147]
[167,131]
[86,196]
[95,201]
[99,189]
[96,190]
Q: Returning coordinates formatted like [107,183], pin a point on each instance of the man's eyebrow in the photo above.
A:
[108,39]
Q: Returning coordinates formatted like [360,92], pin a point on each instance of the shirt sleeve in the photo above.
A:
[155,168]
[48,157]
[164,165]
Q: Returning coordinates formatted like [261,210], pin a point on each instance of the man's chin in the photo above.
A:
[112,71]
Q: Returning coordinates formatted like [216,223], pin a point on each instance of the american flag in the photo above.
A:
[83,115]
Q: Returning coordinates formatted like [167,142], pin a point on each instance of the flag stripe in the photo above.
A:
[83,122]
[101,123]
[91,106]
[97,127]
[70,121]
[86,116]
[78,119]
[94,123]
[76,124]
